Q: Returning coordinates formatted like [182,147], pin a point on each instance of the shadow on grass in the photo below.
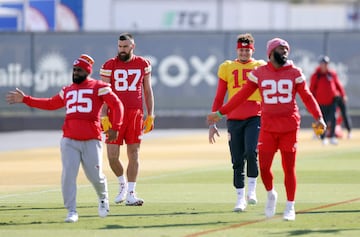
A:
[324,212]
[163,226]
[326,231]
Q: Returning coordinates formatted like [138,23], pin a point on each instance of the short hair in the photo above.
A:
[246,38]
[126,36]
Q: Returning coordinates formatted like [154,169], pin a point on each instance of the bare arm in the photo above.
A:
[105,106]
[148,95]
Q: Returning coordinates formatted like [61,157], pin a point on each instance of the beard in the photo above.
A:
[280,59]
[78,79]
[124,56]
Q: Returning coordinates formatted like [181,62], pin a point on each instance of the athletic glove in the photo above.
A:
[105,123]
[319,127]
[148,123]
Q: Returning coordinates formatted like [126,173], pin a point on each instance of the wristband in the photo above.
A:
[219,114]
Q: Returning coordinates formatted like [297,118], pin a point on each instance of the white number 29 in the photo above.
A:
[283,87]
[74,97]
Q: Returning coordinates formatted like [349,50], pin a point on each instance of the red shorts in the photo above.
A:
[272,141]
[132,128]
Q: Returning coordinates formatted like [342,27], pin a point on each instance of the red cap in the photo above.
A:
[85,62]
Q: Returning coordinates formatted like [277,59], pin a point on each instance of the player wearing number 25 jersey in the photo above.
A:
[81,142]
[278,81]
[130,78]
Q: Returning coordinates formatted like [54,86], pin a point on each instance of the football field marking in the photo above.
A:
[247,223]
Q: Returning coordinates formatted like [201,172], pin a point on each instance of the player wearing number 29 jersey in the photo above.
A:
[278,81]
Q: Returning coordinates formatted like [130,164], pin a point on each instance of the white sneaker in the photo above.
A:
[103,207]
[333,141]
[72,216]
[122,194]
[132,200]
[270,208]
[251,199]
[289,213]
[325,141]
[240,205]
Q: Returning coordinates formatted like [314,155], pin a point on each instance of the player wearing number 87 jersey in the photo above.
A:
[130,78]
[81,142]
[278,81]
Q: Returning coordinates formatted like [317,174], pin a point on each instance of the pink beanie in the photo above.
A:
[272,44]
[85,62]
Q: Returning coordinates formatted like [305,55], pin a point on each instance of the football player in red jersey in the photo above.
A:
[130,78]
[278,81]
[243,123]
[81,142]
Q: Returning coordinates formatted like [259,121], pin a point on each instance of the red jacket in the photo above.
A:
[326,86]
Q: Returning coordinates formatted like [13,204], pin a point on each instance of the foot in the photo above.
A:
[132,200]
[270,208]
[251,199]
[325,141]
[240,205]
[103,207]
[333,141]
[289,213]
[122,194]
[72,216]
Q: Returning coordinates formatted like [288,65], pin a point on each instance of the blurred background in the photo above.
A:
[184,40]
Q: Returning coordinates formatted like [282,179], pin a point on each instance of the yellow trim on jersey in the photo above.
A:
[105,72]
[104,90]
[235,74]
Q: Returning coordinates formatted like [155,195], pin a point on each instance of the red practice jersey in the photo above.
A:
[278,89]
[83,104]
[126,79]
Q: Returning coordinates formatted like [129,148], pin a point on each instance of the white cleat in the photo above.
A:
[122,194]
[132,200]
[72,216]
[270,208]
[103,207]
[289,213]
[333,141]
[251,199]
[240,205]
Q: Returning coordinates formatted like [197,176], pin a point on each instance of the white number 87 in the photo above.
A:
[283,87]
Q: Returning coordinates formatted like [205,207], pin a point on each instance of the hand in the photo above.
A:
[148,123]
[213,118]
[212,131]
[105,123]
[15,96]
[111,135]
[319,127]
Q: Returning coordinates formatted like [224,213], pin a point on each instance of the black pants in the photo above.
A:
[328,112]
[344,114]
[243,139]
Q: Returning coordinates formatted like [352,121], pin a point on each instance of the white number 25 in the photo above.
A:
[74,97]
[283,87]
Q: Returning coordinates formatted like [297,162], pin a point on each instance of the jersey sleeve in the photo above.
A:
[147,68]
[238,98]
[307,97]
[106,69]
[115,105]
[222,70]
[53,103]
[220,95]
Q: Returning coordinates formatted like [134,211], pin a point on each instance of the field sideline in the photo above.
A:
[186,184]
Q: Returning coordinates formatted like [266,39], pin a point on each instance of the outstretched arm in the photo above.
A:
[16,96]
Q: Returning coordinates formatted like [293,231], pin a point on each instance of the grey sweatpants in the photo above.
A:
[89,154]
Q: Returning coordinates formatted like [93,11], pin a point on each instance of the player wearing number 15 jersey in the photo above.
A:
[278,81]
[130,78]
[243,123]
[81,142]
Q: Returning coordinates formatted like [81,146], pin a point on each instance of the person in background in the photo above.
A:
[278,82]
[243,123]
[130,78]
[81,142]
[329,93]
